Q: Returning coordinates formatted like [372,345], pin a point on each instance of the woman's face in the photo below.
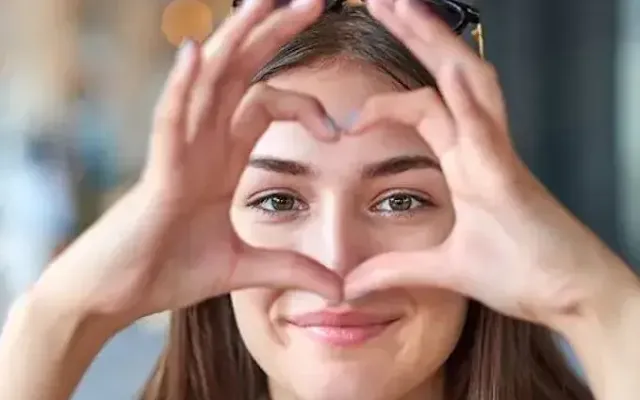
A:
[341,203]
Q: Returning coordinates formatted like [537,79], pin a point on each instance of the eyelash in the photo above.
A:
[257,203]
[422,201]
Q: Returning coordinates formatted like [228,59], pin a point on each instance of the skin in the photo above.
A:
[531,259]
[340,218]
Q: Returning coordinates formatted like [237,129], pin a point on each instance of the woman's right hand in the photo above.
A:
[169,242]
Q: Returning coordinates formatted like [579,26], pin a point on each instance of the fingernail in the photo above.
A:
[302,4]
[332,130]
[184,54]
[247,5]
[184,51]
[331,124]
[351,119]
[353,126]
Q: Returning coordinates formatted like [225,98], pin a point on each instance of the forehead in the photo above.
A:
[340,87]
[342,90]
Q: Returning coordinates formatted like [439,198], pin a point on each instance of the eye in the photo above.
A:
[401,202]
[278,203]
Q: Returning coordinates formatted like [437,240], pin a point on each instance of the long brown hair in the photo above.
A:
[497,358]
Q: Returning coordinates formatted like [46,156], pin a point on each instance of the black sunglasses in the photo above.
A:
[456,14]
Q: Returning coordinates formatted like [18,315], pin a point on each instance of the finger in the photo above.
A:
[422,109]
[393,270]
[441,51]
[285,270]
[218,55]
[277,30]
[420,29]
[224,42]
[431,31]
[260,44]
[169,125]
[473,118]
[264,104]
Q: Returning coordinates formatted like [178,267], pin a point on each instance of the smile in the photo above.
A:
[342,329]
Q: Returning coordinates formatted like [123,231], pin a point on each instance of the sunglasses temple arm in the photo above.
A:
[478,34]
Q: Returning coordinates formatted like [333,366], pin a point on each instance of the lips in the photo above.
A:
[342,329]
[346,319]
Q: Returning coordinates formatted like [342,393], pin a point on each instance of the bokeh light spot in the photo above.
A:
[187,19]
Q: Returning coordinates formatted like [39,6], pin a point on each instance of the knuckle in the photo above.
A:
[490,71]
[259,91]
[427,95]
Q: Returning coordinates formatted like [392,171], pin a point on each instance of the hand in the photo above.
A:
[169,242]
[513,247]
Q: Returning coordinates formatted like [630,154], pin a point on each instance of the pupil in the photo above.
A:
[400,203]
[282,203]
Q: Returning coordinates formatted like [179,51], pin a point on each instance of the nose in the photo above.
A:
[338,238]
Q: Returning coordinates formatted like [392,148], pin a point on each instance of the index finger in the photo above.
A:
[443,53]
[284,270]
[430,268]
[429,38]
[270,36]
[263,105]
[222,85]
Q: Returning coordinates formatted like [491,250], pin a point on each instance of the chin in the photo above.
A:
[337,383]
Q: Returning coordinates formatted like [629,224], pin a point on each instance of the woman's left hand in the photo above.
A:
[513,247]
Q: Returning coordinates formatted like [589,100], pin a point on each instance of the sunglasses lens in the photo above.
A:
[448,12]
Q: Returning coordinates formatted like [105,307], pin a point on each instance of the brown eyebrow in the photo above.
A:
[397,165]
[281,166]
[391,166]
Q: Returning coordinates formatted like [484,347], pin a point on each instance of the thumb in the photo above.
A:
[402,269]
[284,270]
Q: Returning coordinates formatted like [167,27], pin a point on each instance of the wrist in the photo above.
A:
[45,350]
[47,306]
[96,282]
[606,304]
[604,334]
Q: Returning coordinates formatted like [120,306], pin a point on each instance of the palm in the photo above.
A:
[486,259]
[200,258]
[145,258]
[503,242]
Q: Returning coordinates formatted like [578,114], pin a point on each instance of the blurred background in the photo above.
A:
[79,78]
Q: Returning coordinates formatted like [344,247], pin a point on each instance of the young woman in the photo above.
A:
[328,226]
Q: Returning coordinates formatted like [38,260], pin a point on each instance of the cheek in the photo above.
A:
[434,330]
[430,230]
[264,235]
[251,308]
